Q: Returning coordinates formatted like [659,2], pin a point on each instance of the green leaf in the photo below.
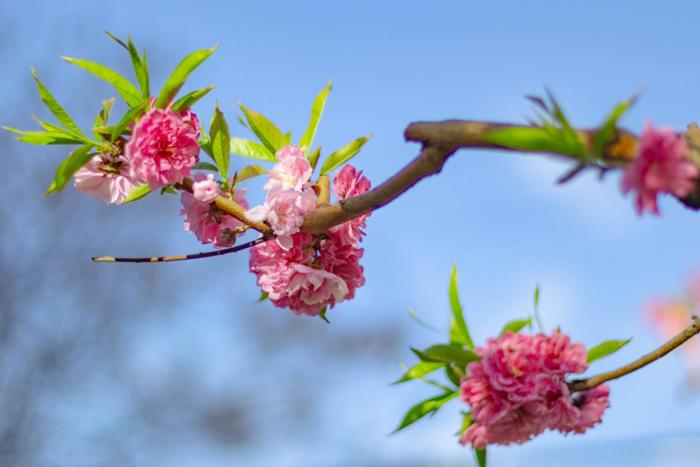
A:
[606,348]
[607,129]
[418,370]
[220,142]
[466,422]
[317,107]
[55,108]
[180,74]
[426,407]
[268,133]
[447,353]
[344,154]
[45,137]
[263,297]
[251,150]
[480,455]
[516,325]
[250,171]
[127,119]
[69,167]
[190,99]
[534,138]
[123,86]
[322,314]
[313,157]
[453,375]
[103,117]
[459,332]
[137,193]
[206,166]
[140,69]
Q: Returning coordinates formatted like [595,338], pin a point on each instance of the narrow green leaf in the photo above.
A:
[466,422]
[343,155]
[313,157]
[446,353]
[127,119]
[250,171]
[69,167]
[452,374]
[137,193]
[421,322]
[206,166]
[527,139]
[140,69]
[268,133]
[607,129]
[55,108]
[263,297]
[123,86]
[459,332]
[190,99]
[180,74]
[606,348]
[418,370]
[426,407]
[516,325]
[47,137]
[480,455]
[251,150]
[322,314]
[307,139]
[220,142]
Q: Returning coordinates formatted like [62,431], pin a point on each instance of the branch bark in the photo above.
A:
[677,341]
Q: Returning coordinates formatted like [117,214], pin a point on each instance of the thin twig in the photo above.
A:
[679,339]
[169,259]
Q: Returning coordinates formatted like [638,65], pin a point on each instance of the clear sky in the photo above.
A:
[499,217]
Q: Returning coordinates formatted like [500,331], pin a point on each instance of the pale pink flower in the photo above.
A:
[163,147]
[343,260]
[292,170]
[209,223]
[292,279]
[106,178]
[347,183]
[660,167]
[518,389]
[205,189]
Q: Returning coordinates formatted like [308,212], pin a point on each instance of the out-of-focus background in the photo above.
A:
[176,365]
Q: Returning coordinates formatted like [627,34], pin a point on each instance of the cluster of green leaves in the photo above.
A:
[269,139]
[551,132]
[105,137]
[454,356]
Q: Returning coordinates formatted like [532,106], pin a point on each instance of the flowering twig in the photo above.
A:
[679,339]
[169,259]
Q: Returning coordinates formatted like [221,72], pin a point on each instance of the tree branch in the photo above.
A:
[678,340]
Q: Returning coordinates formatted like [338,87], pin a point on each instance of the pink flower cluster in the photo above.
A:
[162,150]
[209,223]
[309,272]
[518,390]
[289,194]
[661,166]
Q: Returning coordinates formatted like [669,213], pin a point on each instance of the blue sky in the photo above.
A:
[499,217]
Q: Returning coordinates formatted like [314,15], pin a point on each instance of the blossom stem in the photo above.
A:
[169,259]
[440,140]
[678,340]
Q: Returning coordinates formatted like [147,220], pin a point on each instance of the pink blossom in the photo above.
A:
[205,189]
[292,279]
[292,170]
[347,183]
[343,259]
[289,195]
[660,167]
[105,178]
[163,147]
[209,223]
[518,390]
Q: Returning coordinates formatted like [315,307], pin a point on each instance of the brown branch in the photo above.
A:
[679,339]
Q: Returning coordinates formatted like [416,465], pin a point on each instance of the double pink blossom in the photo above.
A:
[163,147]
[661,166]
[518,390]
[106,178]
[347,183]
[289,194]
[209,223]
